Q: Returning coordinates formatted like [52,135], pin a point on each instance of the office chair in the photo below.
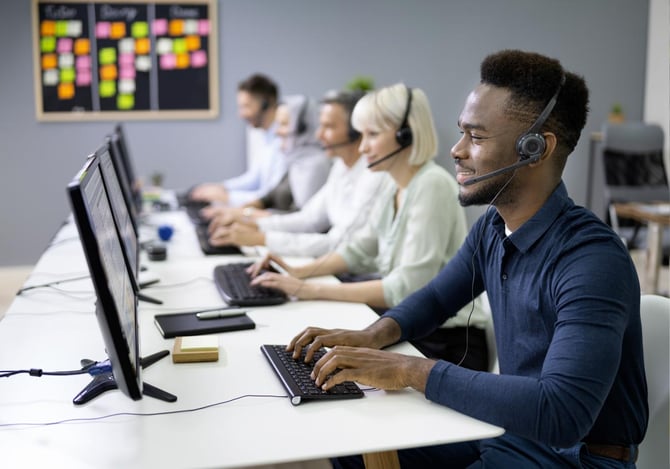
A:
[634,169]
[655,315]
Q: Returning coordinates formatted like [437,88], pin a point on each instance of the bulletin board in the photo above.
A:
[129,59]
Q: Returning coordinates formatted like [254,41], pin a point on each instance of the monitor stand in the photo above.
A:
[106,382]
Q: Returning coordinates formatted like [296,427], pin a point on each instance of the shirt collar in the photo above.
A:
[533,229]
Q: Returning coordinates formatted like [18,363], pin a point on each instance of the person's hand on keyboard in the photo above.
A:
[273,272]
[237,234]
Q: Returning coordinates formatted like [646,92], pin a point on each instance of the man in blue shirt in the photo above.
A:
[564,294]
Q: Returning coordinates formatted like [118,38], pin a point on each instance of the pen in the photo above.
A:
[222,313]
[278,268]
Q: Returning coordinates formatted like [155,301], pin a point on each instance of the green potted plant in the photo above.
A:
[616,115]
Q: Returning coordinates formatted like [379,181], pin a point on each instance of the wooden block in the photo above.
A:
[197,348]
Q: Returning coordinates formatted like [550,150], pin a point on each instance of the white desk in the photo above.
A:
[52,330]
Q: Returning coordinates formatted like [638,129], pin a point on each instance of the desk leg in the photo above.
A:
[382,460]
[653,256]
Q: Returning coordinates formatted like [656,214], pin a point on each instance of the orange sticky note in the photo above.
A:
[48,28]
[82,46]
[176,27]
[192,43]
[142,46]
[108,72]
[66,91]
[118,30]
[183,60]
[49,61]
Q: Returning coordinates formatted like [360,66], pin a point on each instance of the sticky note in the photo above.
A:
[142,46]
[107,55]
[66,75]
[49,61]
[179,46]
[82,46]
[125,101]
[66,91]
[61,28]
[102,29]
[83,77]
[163,46]
[176,27]
[203,27]
[139,29]
[126,72]
[198,59]
[50,77]
[107,89]
[160,27]
[192,43]
[168,61]
[82,61]
[143,63]
[183,61]
[118,30]
[47,28]
[74,28]
[126,86]
[126,60]
[190,27]
[66,61]
[108,72]
[126,45]
[48,44]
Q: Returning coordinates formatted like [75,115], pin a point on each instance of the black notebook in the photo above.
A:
[182,324]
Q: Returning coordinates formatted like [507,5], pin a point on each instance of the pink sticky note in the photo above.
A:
[82,61]
[127,72]
[64,45]
[83,77]
[168,61]
[198,58]
[126,59]
[203,27]
[102,29]
[160,27]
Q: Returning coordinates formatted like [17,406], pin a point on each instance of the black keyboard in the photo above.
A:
[209,249]
[232,280]
[294,375]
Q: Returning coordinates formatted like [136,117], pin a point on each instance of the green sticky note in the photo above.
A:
[125,101]
[67,75]
[139,29]
[107,88]
[61,28]
[107,55]
[48,44]
[179,46]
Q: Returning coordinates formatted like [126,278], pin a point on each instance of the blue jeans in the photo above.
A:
[506,451]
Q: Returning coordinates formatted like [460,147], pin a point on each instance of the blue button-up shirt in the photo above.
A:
[565,301]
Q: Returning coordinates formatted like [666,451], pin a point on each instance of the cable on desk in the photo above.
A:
[180,284]
[50,284]
[93,368]
[140,414]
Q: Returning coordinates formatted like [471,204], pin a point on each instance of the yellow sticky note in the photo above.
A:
[48,44]
[107,89]
[67,75]
[107,55]
[125,101]
[139,29]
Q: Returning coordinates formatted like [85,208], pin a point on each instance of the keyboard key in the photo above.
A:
[233,283]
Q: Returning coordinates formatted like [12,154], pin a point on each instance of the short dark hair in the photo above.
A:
[532,80]
[346,99]
[260,86]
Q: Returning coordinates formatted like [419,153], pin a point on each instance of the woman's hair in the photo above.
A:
[384,109]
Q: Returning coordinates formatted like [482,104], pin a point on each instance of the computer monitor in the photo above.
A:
[122,219]
[126,183]
[116,306]
[129,166]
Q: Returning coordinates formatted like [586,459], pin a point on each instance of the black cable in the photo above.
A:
[138,414]
[38,372]
[49,284]
[180,284]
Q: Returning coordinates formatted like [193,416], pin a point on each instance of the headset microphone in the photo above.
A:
[381,160]
[506,169]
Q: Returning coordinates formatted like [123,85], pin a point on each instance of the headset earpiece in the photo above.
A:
[301,124]
[404,135]
[531,143]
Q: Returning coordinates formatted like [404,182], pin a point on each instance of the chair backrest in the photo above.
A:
[633,163]
[655,315]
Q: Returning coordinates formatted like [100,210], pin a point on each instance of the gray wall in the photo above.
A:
[310,46]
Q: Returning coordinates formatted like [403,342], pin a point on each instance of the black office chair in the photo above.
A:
[634,170]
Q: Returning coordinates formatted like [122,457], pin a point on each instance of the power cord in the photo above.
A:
[93,368]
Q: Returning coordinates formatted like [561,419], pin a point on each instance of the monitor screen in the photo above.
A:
[127,162]
[123,221]
[125,182]
[116,308]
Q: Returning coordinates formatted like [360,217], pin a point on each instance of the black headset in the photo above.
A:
[531,143]
[301,124]
[404,135]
